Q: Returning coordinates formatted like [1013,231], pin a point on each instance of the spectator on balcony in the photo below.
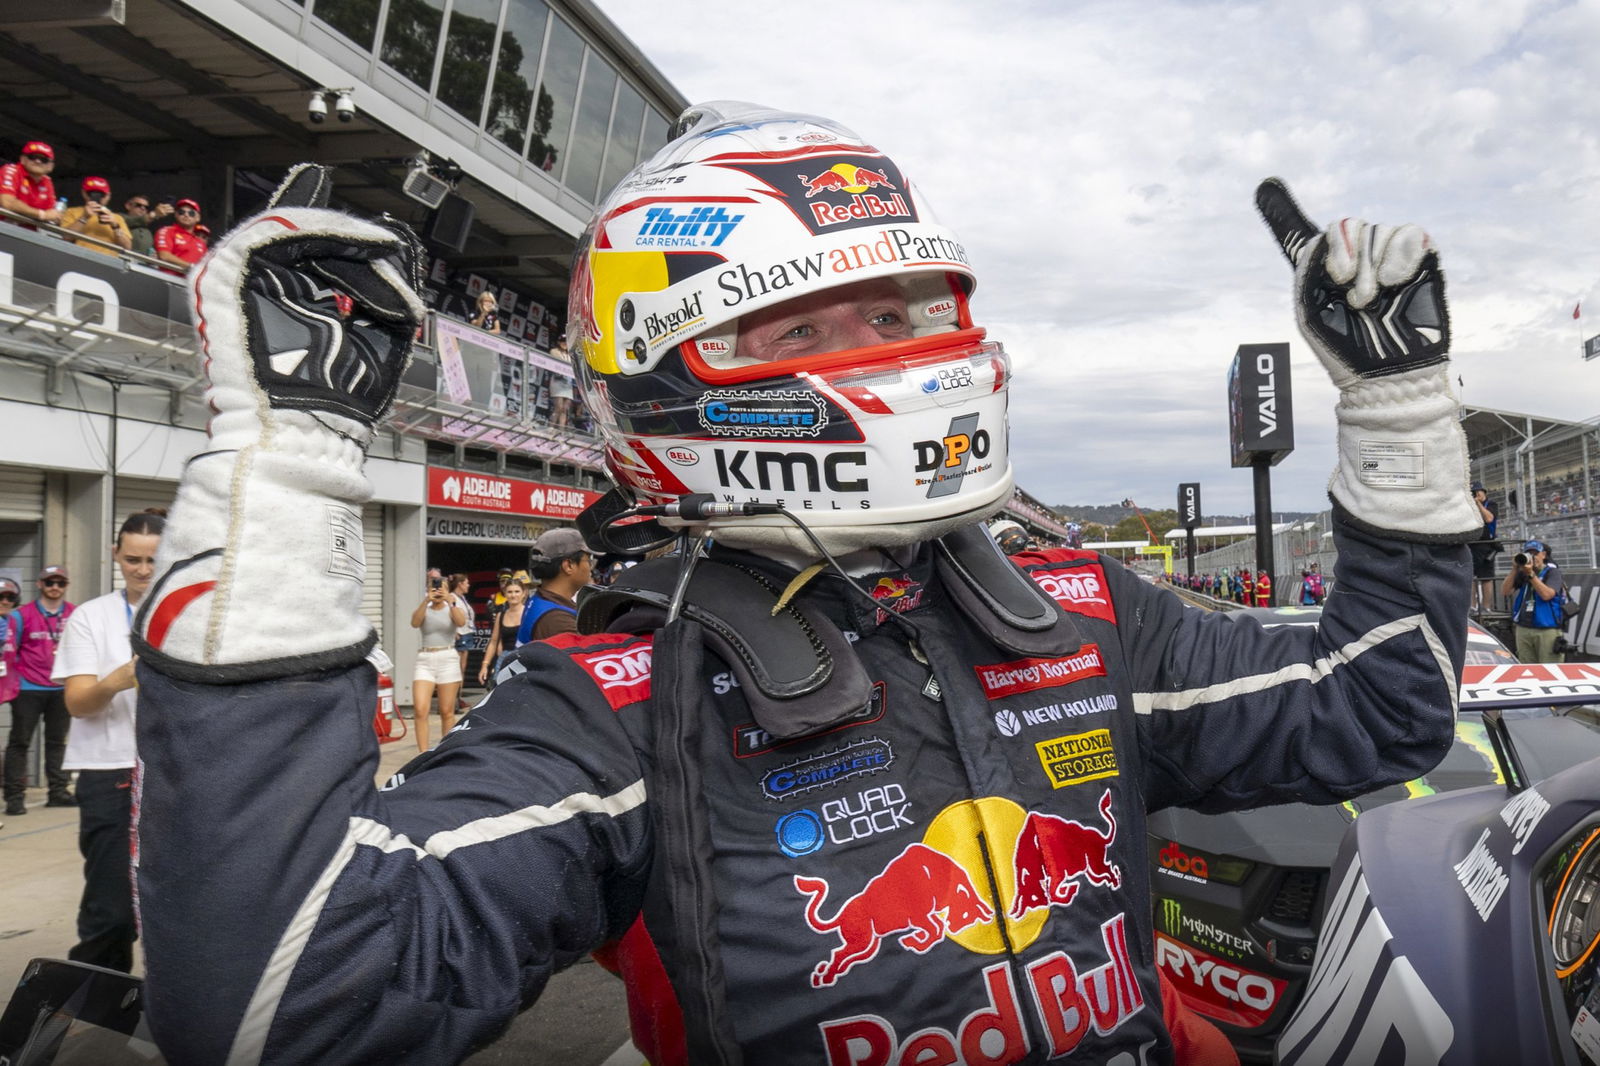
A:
[25,186]
[560,388]
[488,316]
[93,219]
[179,245]
[136,215]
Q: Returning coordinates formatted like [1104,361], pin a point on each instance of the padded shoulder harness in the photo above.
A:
[796,667]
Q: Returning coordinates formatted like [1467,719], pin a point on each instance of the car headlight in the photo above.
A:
[1574,926]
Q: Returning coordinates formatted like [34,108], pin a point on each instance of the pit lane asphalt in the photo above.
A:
[580,1020]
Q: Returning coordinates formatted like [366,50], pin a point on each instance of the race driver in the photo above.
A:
[848,788]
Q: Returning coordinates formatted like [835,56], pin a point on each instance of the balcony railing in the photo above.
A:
[126,317]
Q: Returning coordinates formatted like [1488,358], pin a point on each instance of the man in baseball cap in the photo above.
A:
[93,219]
[25,186]
[178,244]
[39,627]
[562,564]
[1534,586]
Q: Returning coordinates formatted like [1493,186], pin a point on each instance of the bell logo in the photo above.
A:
[451,489]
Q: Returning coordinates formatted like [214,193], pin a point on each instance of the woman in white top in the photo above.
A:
[94,664]
[438,667]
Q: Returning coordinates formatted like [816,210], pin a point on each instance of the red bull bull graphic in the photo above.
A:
[937,889]
[1069,999]
[922,893]
[899,594]
[1053,854]
[854,182]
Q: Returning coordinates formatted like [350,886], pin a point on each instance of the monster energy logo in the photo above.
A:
[1172,916]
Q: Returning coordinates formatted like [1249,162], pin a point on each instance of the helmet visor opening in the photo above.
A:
[827,327]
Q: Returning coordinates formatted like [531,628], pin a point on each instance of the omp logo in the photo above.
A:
[1080,589]
[623,675]
[451,489]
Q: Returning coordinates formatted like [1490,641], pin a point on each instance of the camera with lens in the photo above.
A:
[1520,559]
[436,583]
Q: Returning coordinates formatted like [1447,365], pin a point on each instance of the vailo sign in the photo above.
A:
[468,491]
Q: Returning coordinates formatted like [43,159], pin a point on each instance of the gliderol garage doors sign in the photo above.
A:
[467,490]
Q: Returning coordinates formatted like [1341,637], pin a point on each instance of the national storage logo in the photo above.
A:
[1078,757]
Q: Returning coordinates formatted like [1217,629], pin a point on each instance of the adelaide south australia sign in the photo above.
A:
[467,490]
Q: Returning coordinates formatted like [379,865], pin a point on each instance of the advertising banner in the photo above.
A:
[467,490]
[1260,407]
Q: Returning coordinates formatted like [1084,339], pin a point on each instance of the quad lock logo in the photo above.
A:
[947,379]
[749,414]
[869,812]
[948,459]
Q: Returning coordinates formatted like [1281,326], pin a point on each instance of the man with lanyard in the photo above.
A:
[41,624]
[95,667]
[849,639]
[562,564]
[26,188]
[1535,585]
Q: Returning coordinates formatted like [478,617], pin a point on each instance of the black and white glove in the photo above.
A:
[306,319]
[1370,302]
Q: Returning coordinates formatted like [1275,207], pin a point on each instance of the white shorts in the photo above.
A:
[440,667]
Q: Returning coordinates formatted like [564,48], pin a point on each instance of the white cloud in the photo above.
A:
[1099,160]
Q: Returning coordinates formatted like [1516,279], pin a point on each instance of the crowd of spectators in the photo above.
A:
[1254,589]
[170,231]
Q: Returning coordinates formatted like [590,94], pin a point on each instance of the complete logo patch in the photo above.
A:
[753,415]
[1078,757]
[829,768]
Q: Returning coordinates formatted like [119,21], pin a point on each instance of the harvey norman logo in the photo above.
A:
[1026,675]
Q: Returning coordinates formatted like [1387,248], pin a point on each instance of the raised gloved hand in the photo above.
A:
[306,319]
[1370,301]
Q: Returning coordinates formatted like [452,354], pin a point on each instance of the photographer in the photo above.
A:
[1536,618]
[94,219]
[1483,551]
[438,665]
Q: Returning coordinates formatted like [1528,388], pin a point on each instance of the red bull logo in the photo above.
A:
[855,182]
[899,594]
[892,588]
[1071,1000]
[937,889]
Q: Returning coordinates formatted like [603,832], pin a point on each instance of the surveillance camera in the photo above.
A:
[344,106]
[317,109]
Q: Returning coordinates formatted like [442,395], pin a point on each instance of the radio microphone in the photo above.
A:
[702,507]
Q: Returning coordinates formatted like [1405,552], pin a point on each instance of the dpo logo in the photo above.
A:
[948,459]
[1080,589]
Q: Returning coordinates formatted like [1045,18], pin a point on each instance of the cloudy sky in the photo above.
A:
[1099,159]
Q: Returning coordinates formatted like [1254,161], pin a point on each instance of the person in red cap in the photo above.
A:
[26,188]
[178,244]
[94,219]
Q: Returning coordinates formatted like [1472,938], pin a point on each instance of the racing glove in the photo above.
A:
[306,318]
[1370,302]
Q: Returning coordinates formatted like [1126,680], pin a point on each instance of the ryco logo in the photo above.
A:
[1219,989]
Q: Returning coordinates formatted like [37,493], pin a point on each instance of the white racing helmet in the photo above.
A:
[746,209]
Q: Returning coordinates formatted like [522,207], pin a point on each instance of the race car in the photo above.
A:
[1239,898]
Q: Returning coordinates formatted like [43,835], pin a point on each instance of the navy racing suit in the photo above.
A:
[955,872]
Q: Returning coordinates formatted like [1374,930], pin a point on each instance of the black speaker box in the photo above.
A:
[452,221]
